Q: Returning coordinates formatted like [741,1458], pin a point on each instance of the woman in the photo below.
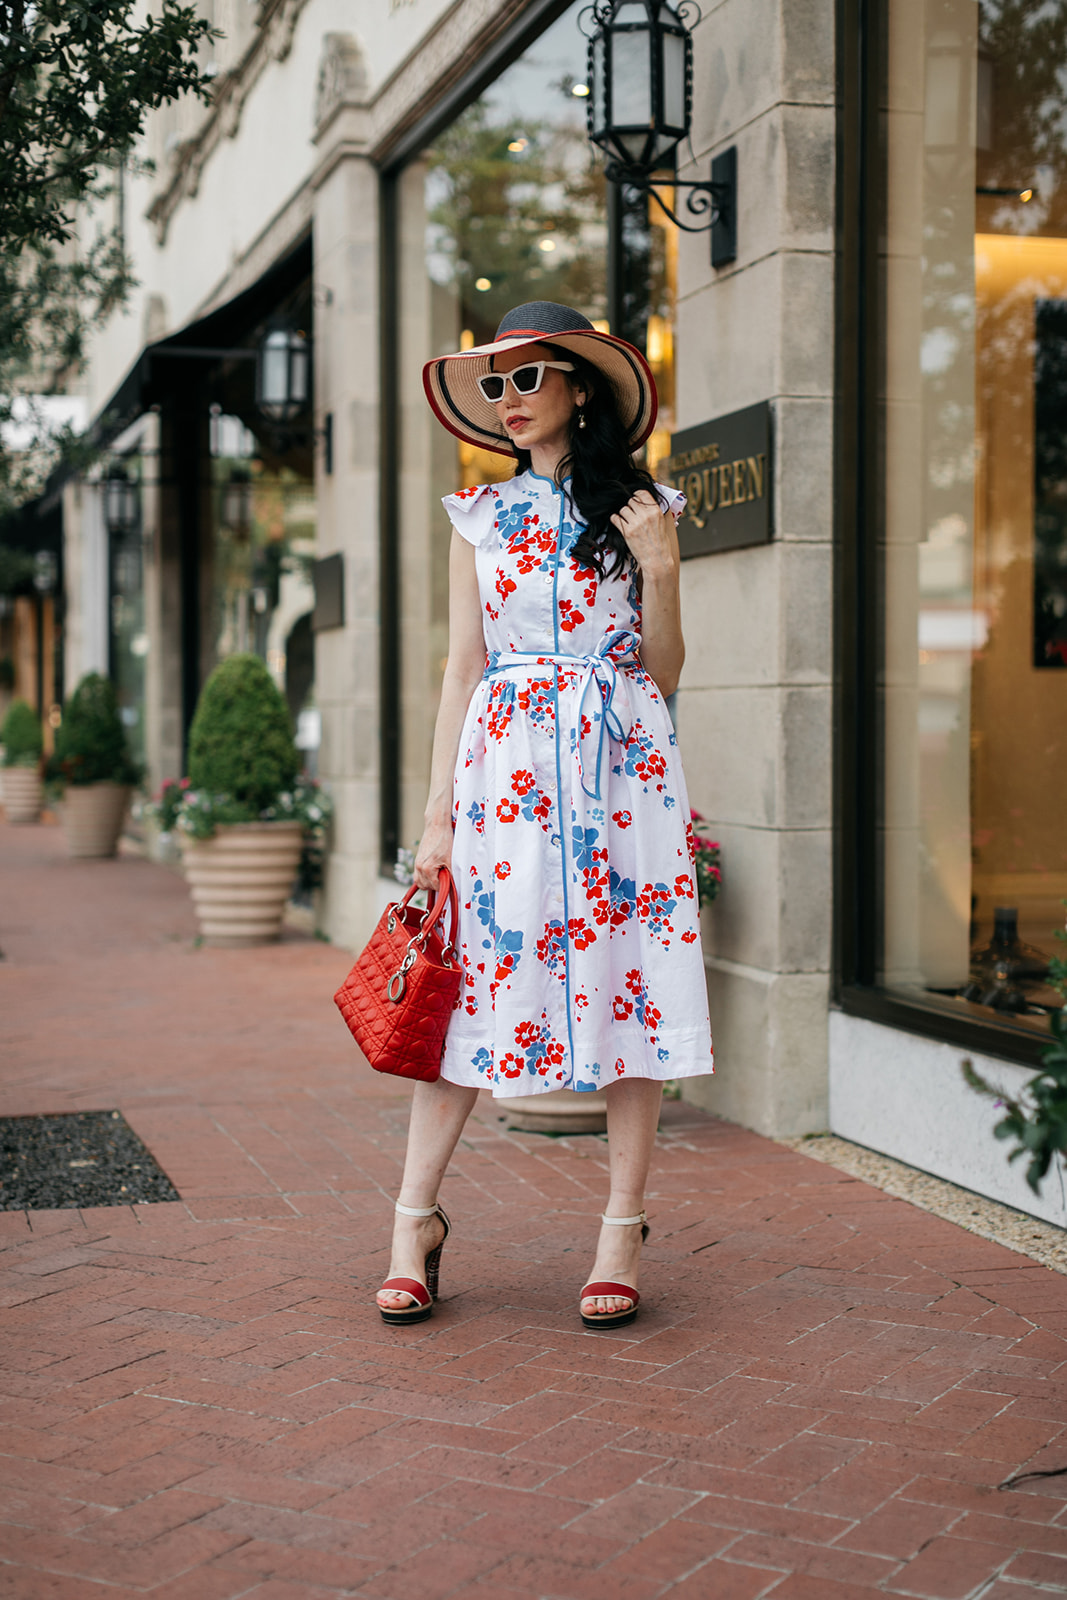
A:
[556,793]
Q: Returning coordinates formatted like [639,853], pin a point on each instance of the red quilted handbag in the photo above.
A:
[399,996]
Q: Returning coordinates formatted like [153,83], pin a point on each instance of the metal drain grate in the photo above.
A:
[80,1158]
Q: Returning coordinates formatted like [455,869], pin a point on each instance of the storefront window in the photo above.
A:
[974,692]
[508,204]
[128,647]
[263,512]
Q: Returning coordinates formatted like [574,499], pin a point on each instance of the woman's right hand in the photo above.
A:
[434,852]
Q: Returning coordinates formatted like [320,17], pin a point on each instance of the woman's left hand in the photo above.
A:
[651,535]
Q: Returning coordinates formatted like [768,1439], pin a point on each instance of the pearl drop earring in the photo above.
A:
[581,419]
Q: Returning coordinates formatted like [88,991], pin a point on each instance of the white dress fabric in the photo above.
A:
[579,926]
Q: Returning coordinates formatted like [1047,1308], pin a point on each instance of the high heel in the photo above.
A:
[619,1291]
[423,1294]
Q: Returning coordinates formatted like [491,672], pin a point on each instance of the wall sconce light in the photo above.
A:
[639,109]
[122,506]
[237,502]
[283,371]
[45,572]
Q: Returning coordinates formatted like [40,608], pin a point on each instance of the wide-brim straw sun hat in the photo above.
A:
[451,382]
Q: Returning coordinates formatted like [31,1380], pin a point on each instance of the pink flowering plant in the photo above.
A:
[196,814]
[164,809]
[707,859]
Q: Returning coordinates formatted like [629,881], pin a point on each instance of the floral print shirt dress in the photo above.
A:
[579,928]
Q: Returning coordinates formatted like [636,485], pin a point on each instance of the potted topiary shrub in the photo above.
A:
[246,817]
[20,736]
[92,768]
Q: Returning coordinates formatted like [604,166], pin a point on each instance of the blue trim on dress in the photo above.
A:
[559,785]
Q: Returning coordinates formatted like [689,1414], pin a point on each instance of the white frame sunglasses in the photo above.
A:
[503,378]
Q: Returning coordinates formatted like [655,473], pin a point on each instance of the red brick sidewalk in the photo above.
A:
[200,1402]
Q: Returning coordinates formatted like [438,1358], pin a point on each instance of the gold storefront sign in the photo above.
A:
[724,470]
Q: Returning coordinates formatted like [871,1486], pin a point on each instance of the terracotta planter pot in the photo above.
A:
[21,787]
[92,815]
[557,1111]
[240,880]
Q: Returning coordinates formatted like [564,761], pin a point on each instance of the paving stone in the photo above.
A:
[821,1395]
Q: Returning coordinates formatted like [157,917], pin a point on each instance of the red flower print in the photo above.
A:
[511,1065]
[569,616]
[522,781]
[503,869]
[582,935]
[620,1067]
[622,819]
[688,937]
[622,1008]
[634,981]
[683,886]
[507,811]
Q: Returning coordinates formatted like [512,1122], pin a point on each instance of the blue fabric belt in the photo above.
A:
[610,711]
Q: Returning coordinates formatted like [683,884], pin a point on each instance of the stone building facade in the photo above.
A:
[333,187]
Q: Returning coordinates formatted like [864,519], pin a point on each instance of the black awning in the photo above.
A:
[211,338]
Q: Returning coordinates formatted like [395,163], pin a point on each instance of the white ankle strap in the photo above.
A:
[416,1211]
[624,1222]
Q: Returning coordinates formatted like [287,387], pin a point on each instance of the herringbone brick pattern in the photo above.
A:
[200,1402]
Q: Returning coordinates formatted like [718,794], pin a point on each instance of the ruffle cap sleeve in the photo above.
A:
[674,497]
[472,513]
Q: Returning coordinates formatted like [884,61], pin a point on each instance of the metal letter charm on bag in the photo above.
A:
[400,994]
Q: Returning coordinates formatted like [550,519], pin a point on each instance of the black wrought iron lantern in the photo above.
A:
[639,106]
[283,373]
[641,82]
[237,502]
[122,501]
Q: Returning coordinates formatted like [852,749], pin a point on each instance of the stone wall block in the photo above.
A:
[736,70]
[806,184]
[722,594]
[804,900]
[803,447]
[808,50]
[742,925]
[732,755]
[805,333]
[807,614]
[739,321]
[770,1051]
[805,759]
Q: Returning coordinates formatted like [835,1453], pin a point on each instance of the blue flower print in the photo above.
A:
[511,519]
[476,815]
[584,845]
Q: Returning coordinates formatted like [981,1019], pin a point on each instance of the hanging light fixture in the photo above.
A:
[237,502]
[639,108]
[122,501]
[283,373]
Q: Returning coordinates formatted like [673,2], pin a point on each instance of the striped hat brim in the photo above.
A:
[451,384]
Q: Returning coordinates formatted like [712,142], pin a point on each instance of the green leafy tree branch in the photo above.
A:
[78,79]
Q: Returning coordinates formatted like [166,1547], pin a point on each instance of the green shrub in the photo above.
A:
[241,741]
[20,735]
[91,741]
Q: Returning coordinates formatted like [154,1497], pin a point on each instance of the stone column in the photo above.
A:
[345,186]
[755,702]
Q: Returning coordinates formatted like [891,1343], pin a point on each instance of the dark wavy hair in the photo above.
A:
[601,468]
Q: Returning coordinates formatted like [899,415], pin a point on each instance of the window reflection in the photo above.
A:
[975,685]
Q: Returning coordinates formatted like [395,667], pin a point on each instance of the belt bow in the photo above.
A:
[610,711]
